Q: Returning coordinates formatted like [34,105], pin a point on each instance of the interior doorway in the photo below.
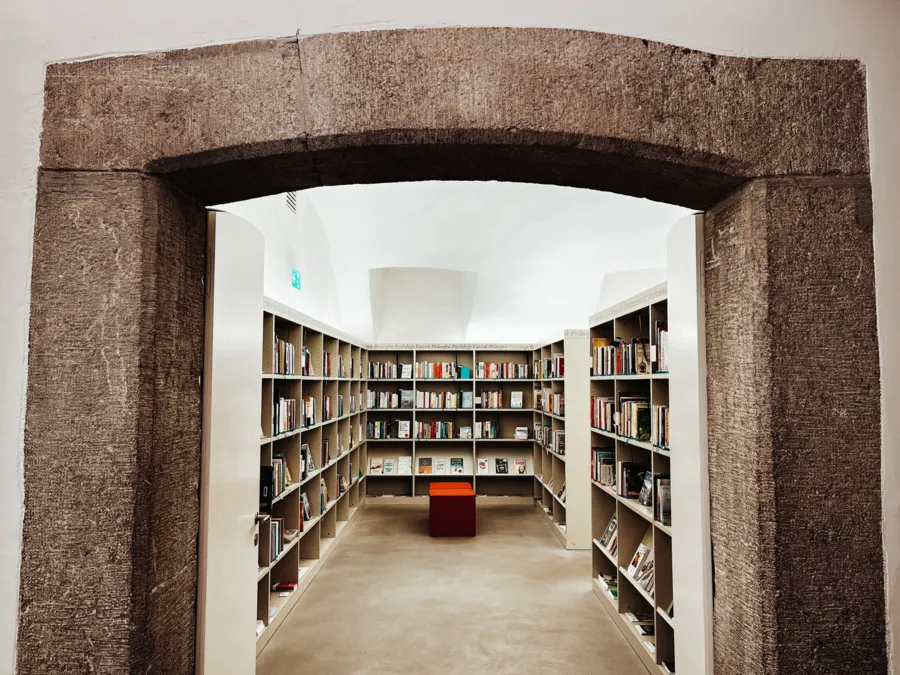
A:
[780,168]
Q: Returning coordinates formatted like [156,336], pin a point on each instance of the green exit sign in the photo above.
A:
[295,279]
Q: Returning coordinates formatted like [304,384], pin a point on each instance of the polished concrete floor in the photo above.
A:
[393,600]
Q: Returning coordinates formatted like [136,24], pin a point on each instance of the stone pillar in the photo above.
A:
[112,439]
[794,429]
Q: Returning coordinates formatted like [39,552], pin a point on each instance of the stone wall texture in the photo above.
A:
[132,146]
[112,439]
[794,460]
[544,105]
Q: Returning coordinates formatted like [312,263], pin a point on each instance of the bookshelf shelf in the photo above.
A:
[628,344]
[608,555]
[307,368]
[665,617]
[556,417]
[634,584]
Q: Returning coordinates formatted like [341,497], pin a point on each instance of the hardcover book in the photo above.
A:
[388,466]
[376,465]
[501,465]
[515,400]
[456,465]
[440,466]
[425,465]
[483,466]
[403,427]
[520,465]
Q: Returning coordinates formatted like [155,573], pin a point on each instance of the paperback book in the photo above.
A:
[483,466]
[376,466]
[440,466]
[425,466]
[501,465]
[520,465]
[388,466]
[404,466]
[456,465]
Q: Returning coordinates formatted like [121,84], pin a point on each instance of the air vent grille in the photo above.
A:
[291,201]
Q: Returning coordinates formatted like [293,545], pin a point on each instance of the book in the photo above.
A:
[425,465]
[631,479]
[440,466]
[520,465]
[388,467]
[664,500]
[645,498]
[501,465]
[465,432]
[376,466]
[642,551]
[483,465]
[404,466]
[515,399]
[307,509]
[521,433]
[403,427]
[456,465]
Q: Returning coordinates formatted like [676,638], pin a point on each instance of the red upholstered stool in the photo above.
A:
[443,485]
[451,512]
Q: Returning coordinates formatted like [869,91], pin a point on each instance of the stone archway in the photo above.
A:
[133,147]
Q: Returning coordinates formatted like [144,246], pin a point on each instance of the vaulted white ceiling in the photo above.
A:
[536,254]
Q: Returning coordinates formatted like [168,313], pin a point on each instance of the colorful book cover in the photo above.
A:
[388,466]
[376,465]
[483,466]
[520,466]
[425,465]
[456,465]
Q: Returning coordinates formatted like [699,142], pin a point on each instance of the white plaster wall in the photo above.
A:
[295,241]
[34,32]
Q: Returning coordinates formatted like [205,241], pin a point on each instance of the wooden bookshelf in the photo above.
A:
[633,320]
[467,413]
[558,468]
[344,431]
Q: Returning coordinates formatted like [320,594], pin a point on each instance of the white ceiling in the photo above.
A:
[539,252]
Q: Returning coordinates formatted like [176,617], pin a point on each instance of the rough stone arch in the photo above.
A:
[774,150]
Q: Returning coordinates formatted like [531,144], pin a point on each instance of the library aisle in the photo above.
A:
[394,600]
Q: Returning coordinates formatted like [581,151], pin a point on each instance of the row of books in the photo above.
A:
[434,430]
[435,370]
[494,399]
[283,357]
[555,366]
[284,415]
[661,346]
[555,440]
[445,399]
[441,466]
[553,403]
[379,429]
[634,417]
[308,411]
[501,371]
[386,400]
[328,407]
[386,370]
[603,413]
[659,426]
[615,356]
[603,466]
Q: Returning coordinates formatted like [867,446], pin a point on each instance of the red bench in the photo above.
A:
[451,510]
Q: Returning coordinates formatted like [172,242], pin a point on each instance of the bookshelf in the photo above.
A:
[561,440]
[440,394]
[312,397]
[631,378]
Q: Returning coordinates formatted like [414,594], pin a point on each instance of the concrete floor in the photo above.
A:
[393,600]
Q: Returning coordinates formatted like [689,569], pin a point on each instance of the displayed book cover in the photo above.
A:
[406,370]
[664,501]
[425,465]
[406,399]
[307,509]
[467,399]
[645,498]
[483,465]
[644,574]
[388,466]
[465,432]
[404,466]
[465,373]
[501,465]
[639,555]
[456,465]
[376,465]
[520,465]
[521,433]
[403,427]
[609,532]
[440,466]
[515,399]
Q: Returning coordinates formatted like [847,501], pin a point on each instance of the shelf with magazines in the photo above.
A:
[312,448]
[630,473]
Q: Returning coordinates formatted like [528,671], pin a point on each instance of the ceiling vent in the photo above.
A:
[291,201]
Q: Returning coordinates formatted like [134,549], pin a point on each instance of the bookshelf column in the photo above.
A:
[112,439]
[794,429]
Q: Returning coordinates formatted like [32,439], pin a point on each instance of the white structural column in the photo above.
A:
[691,545]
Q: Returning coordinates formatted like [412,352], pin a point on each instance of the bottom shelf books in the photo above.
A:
[609,583]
